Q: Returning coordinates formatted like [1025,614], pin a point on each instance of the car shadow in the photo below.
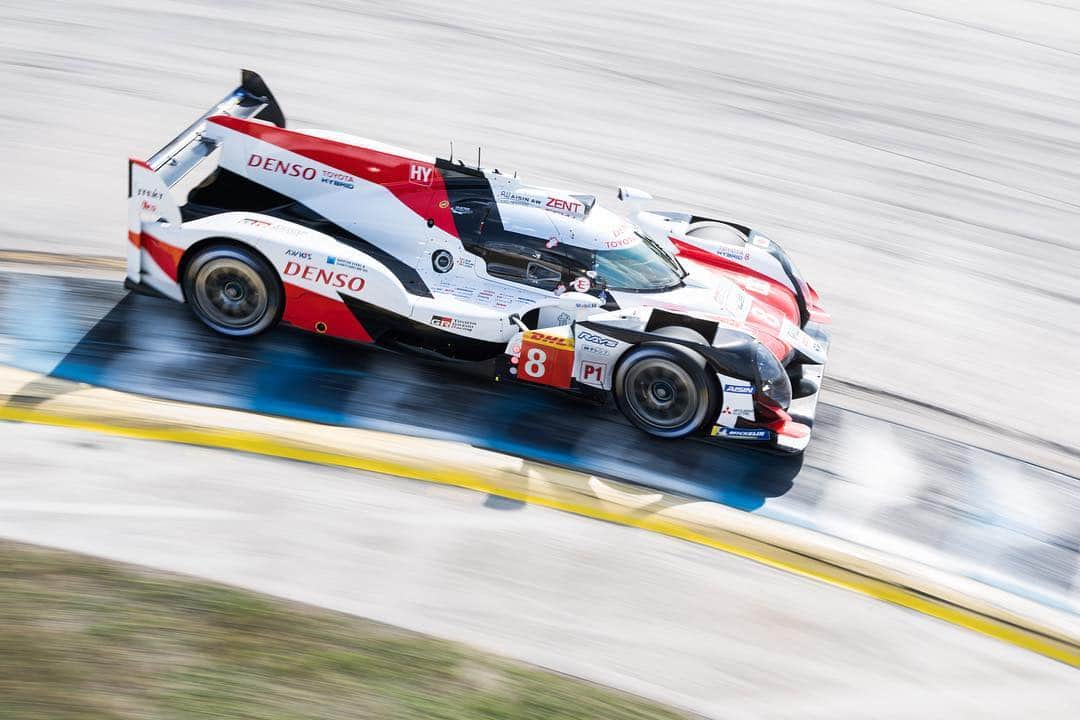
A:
[155,347]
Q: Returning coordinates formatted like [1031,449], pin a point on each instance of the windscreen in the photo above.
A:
[642,267]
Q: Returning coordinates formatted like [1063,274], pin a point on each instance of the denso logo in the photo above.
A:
[289,169]
[419,174]
[326,277]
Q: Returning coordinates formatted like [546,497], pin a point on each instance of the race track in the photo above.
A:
[987,517]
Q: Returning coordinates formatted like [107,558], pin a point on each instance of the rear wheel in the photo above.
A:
[665,390]
[234,291]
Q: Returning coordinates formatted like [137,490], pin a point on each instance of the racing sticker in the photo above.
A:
[451,323]
[740,434]
[796,338]
[582,284]
[547,357]
[593,373]
[732,252]
[738,401]
[754,285]
[737,303]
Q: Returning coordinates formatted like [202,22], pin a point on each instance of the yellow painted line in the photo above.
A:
[578,500]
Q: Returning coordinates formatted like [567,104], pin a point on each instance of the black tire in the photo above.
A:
[233,290]
[666,390]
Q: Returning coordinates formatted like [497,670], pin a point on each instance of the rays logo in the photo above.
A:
[597,339]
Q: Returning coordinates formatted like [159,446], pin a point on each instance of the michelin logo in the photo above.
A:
[740,434]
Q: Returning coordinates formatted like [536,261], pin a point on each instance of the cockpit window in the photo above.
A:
[642,267]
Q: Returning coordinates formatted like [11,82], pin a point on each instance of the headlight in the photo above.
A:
[772,380]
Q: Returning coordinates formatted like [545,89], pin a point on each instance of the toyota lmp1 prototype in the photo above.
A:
[693,325]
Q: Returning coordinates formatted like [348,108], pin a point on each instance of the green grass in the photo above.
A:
[84,638]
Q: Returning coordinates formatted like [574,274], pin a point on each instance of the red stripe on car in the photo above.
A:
[166,256]
[417,184]
[311,311]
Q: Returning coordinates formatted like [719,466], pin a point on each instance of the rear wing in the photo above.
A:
[152,184]
[252,100]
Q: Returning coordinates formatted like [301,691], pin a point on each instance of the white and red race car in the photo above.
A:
[692,325]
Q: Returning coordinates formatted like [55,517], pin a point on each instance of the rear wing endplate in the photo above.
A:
[252,100]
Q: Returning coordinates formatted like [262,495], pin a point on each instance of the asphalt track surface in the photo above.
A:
[681,623]
[966,511]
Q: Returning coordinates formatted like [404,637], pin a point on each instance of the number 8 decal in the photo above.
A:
[534,365]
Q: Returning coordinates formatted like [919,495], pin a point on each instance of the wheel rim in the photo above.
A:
[230,293]
[661,393]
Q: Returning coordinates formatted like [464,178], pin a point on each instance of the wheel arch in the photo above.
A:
[224,240]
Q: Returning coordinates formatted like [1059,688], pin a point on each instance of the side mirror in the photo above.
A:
[629,194]
[633,199]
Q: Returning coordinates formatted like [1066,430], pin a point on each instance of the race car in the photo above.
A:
[693,326]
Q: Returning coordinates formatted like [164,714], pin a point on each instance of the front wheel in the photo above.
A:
[665,390]
[233,290]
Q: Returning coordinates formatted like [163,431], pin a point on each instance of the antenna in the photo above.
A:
[477,157]
[451,151]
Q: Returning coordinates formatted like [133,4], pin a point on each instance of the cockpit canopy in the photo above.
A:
[529,245]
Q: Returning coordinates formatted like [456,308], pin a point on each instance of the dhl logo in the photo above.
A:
[554,341]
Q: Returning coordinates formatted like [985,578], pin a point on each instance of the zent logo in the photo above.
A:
[565,205]
[420,174]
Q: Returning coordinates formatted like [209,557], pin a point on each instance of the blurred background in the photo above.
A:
[919,161]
